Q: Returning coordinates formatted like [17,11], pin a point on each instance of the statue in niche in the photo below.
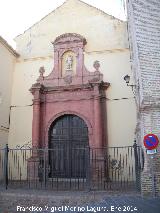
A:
[69,63]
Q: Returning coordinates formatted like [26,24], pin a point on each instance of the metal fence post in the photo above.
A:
[88,169]
[45,166]
[137,168]
[6,166]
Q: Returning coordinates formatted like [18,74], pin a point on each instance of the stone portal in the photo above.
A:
[70,89]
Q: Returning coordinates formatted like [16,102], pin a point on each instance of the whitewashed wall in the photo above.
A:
[7,61]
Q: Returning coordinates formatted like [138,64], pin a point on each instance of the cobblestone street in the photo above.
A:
[41,201]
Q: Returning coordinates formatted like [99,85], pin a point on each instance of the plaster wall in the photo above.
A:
[7,61]
[102,32]
[106,41]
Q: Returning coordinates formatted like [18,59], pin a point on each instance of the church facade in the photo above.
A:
[96,47]
[69,96]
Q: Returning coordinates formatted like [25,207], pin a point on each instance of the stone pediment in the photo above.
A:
[69,38]
[69,68]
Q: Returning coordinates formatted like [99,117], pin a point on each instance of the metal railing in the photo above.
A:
[74,168]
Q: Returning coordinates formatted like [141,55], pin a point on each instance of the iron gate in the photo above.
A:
[110,168]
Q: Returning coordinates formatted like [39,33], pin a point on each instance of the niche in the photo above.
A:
[68,64]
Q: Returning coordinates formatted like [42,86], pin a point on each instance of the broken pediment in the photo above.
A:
[69,38]
[69,68]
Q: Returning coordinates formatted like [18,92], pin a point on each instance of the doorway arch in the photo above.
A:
[68,142]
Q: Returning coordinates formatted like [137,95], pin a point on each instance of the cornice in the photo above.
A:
[5,43]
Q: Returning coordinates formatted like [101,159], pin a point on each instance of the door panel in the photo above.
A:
[68,140]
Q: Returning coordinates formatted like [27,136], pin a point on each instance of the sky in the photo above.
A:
[18,15]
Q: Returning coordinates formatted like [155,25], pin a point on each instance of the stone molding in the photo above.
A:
[10,49]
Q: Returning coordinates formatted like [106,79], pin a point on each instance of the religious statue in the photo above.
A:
[69,62]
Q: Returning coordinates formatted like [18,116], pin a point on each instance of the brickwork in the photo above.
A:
[146,183]
[158,183]
[144,35]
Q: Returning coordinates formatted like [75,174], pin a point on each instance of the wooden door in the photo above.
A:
[68,142]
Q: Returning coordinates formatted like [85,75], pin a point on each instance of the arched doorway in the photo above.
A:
[68,142]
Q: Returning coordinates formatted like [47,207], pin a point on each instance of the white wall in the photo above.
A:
[7,61]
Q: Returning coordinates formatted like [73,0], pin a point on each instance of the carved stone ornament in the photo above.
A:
[96,65]
[94,79]
[41,71]
[68,79]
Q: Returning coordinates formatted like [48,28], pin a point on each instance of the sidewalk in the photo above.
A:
[13,201]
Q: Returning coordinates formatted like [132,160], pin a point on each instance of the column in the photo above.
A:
[36,120]
[97,118]
[33,161]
